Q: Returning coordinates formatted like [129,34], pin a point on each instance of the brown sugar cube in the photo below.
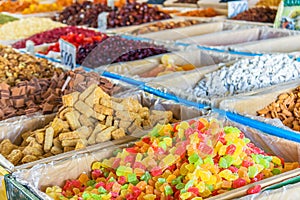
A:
[57,126]
[35,144]
[57,143]
[69,143]
[70,99]
[98,129]
[72,119]
[48,139]
[68,136]
[28,133]
[116,123]
[117,134]
[66,149]
[29,158]
[84,132]
[109,121]
[99,116]
[107,103]
[49,154]
[81,144]
[84,121]
[15,156]
[125,124]
[87,92]
[40,136]
[100,93]
[126,115]
[84,109]
[105,135]
[146,124]
[94,97]
[6,147]
[103,110]
[56,150]
[131,105]
[32,151]
[63,111]
[168,115]
[30,138]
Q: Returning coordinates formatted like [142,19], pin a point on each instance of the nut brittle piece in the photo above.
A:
[48,139]
[103,110]
[73,119]
[117,134]
[70,99]
[105,135]
[6,147]
[84,109]
[15,156]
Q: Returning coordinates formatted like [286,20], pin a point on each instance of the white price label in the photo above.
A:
[102,21]
[68,54]
[30,47]
[236,7]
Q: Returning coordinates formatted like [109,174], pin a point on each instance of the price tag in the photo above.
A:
[30,47]
[68,54]
[111,3]
[236,7]
[102,21]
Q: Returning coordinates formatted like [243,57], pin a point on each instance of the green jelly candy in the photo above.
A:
[208,160]
[146,176]
[163,145]
[112,179]
[189,184]
[252,171]
[168,190]
[91,183]
[199,162]
[229,159]
[210,187]
[246,140]
[132,179]
[161,180]
[106,173]
[230,129]
[276,171]
[101,190]
[124,187]
[85,195]
[268,158]
[193,158]
[264,163]
[223,163]
[115,153]
[179,186]
[155,130]
[257,158]
[96,197]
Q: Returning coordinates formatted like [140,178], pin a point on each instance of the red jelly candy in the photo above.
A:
[255,189]
[122,180]
[233,169]
[131,150]
[230,149]
[136,191]
[239,183]
[247,163]
[116,163]
[96,173]
[146,140]
[156,171]
[100,184]
[194,190]
[129,159]
[109,185]
[139,165]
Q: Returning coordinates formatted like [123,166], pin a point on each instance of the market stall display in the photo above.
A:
[127,15]
[159,26]
[53,35]
[258,14]
[45,94]
[191,159]
[74,134]
[95,51]
[24,28]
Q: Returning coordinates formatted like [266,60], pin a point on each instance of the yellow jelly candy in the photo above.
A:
[185,195]
[222,150]
[197,198]
[218,146]
[190,167]
[168,141]
[184,125]
[96,165]
[276,160]
[201,186]
[212,180]
[149,197]
[203,174]
[183,170]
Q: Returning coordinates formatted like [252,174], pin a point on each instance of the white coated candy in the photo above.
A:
[248,75]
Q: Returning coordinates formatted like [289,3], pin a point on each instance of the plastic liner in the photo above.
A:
[153,103]
[274,45]
[171,3]
[204,61]
[248,105]
[43,175]
[227,38]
